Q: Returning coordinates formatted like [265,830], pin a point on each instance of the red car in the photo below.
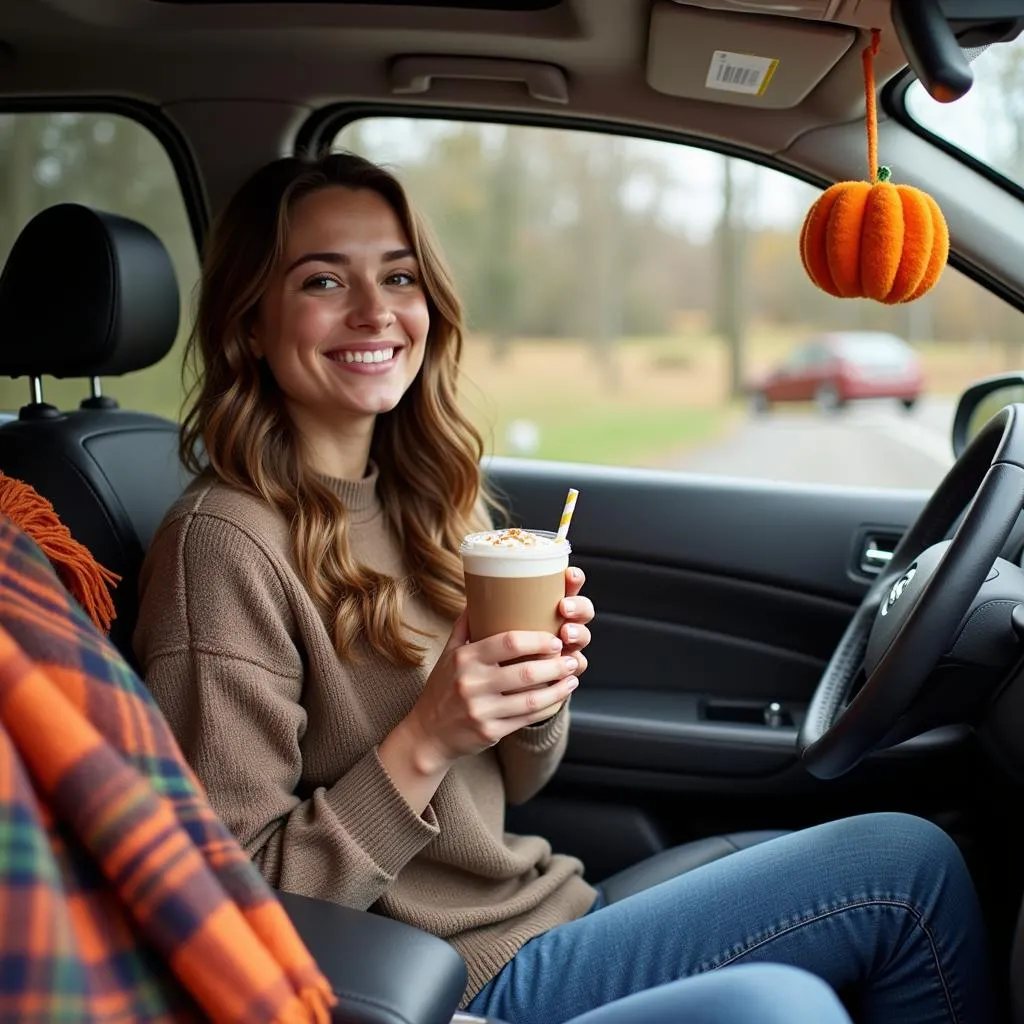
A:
[836,368]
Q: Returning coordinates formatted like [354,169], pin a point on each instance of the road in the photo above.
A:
[873,444]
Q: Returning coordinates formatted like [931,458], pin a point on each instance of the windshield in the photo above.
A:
[988,123]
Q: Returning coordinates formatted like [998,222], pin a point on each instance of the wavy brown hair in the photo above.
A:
[427,451]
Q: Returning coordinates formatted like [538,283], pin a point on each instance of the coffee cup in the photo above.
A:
[515,579]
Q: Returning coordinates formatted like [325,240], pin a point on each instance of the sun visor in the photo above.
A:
[746,60]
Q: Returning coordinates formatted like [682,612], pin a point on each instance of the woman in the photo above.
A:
[297,629]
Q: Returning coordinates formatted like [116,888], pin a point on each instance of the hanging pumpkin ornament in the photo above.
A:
[874,239]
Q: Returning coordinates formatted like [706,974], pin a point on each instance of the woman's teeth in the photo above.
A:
[380,355]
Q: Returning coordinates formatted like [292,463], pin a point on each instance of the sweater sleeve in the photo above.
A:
[215,640]
[530,757]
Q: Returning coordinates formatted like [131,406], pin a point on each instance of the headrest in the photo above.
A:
[85,294]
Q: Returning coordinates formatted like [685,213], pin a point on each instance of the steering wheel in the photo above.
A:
[910,614]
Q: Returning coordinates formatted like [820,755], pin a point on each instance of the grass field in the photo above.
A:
[661,396]
[655,399]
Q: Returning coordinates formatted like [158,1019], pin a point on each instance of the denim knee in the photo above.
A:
[910,833]
[907,854]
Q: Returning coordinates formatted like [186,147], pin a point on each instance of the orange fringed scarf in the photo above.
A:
[87,580]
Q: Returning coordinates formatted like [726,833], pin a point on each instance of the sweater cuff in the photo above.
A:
[543,735]
[378,818]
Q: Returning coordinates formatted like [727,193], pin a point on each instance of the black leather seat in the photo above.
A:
[110,473]
[677,860]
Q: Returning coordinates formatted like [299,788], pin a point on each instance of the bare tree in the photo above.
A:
[502,265]
[731,299]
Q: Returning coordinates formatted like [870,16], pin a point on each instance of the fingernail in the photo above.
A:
[572,684]
[569,607]
[556,644]
[571,664]
[576,574]
[573,633]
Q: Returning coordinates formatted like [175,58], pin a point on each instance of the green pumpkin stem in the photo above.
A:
[884,173]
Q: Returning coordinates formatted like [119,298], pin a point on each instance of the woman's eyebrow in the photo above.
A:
[393,256]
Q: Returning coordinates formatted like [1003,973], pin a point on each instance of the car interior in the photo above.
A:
[737,619]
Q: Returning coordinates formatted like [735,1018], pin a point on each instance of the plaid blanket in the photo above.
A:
[122,896]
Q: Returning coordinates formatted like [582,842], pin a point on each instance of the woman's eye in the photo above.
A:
[402,278]
[321,283]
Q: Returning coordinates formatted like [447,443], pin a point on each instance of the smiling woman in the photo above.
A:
[307,591]
[343,332]
[281,406]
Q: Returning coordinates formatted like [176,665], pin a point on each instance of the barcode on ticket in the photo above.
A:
[740,72]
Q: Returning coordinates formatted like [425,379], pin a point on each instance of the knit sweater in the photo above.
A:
[284,735]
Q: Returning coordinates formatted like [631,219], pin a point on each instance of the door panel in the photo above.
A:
[714,599]
[795,537]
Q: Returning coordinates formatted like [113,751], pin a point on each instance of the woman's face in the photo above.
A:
[343,323]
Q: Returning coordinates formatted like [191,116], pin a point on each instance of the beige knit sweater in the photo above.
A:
[283,734]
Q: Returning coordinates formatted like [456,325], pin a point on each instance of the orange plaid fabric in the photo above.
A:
[122,895]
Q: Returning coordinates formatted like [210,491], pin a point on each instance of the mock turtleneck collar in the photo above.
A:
[358,496]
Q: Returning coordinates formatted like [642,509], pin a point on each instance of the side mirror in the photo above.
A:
[980,402]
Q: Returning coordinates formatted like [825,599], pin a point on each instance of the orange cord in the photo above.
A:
[85,578]
[869,94]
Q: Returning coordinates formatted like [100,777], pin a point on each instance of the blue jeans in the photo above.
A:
[880,906]
[747,994]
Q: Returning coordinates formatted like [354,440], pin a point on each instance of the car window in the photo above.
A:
[111,163]
[798,360]
[987,123]
[627,297]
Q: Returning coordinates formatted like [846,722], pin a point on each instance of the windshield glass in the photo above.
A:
[987,123]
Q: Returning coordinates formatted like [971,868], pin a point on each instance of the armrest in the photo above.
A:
[383,971]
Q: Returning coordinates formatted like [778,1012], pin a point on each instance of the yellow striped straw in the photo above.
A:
[570,507]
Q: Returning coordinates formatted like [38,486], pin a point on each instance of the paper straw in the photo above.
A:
[570,507]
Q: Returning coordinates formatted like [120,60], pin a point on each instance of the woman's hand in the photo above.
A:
[472,700]
[577,612]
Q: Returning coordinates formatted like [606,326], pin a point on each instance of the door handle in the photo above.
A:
[876,553]
[416,74]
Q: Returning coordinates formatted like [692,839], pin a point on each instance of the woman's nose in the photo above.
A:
[370,310]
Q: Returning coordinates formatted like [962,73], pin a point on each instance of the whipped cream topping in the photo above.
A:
[511,538]
[514,552]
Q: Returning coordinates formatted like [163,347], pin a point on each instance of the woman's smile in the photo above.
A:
[366,358]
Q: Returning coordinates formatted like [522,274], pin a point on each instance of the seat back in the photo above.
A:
[111,474]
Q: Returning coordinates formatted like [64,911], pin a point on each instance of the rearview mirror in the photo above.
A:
[980,402]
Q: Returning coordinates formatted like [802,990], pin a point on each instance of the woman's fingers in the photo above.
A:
[539,672]
[574,580]
[515,644]
[574,637]
[527,703]
[576,609]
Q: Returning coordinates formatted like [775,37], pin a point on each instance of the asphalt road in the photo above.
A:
[872,444]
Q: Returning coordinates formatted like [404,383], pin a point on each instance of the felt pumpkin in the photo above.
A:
[874,239]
